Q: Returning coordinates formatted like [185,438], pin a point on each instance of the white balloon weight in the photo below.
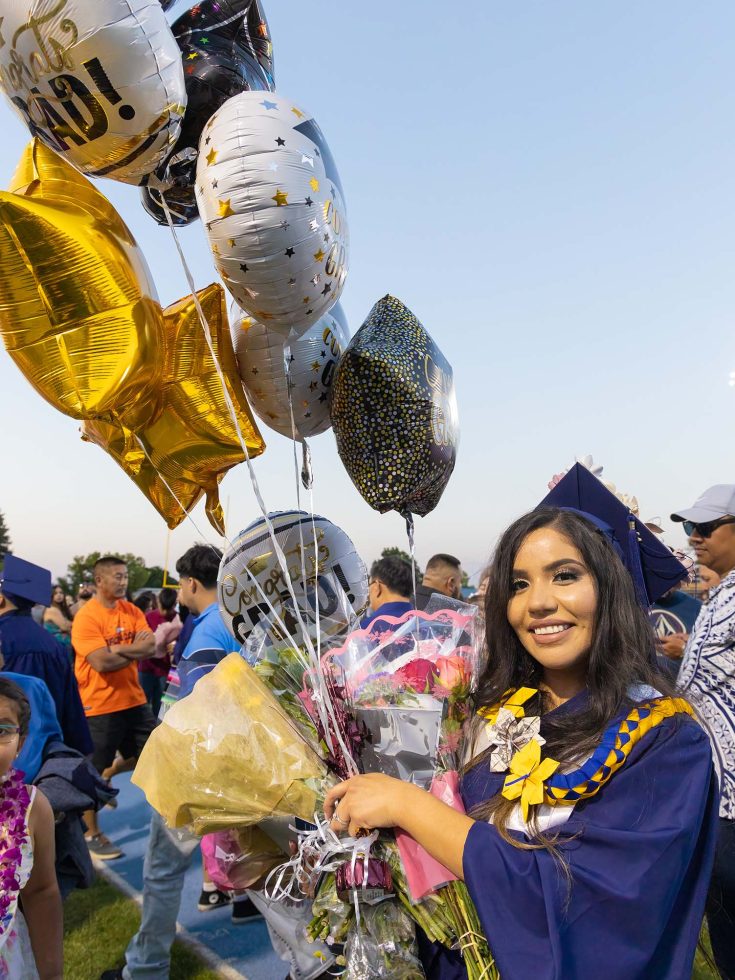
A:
[329,580]
[99,81]
[271,199]
[270,364]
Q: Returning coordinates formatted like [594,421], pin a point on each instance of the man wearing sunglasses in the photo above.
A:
[707,678]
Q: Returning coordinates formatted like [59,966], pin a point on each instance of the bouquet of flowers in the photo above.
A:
[251,742]
[395,698]
[407,682]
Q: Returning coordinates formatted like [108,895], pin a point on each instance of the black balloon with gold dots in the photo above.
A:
[394,412]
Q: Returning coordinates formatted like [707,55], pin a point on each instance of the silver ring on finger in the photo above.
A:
[340,821]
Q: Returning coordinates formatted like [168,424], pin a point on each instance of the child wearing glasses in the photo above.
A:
[31,939]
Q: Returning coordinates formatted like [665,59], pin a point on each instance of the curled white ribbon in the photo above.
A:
[320,851]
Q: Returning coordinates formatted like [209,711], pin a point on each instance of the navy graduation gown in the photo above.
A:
[28,648]
[640,864]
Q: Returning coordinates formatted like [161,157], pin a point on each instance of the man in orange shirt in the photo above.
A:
[110,636]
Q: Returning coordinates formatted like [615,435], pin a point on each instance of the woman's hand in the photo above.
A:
[370,801]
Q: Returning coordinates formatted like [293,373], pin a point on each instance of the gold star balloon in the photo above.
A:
[79,313]
[186,450]
[80,317]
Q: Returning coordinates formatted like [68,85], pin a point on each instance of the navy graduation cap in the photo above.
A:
[651,564]
[23,580]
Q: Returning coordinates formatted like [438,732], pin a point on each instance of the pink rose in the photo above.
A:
[416,675]
[452,672]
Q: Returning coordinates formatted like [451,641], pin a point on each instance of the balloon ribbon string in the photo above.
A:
[294,440]
[308,485]
[410,528]
[324,703]
[207,540]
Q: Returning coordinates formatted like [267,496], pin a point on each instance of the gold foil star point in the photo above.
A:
[224,208]
[314,184]
[280,198]
[318,256]
[211,156]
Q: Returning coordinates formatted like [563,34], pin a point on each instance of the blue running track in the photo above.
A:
[245,949]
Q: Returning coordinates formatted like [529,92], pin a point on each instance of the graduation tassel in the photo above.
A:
[636,568]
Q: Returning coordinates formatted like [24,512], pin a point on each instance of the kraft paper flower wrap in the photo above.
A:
[229,756]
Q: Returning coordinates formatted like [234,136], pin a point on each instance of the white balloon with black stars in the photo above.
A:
[288,380]
[271,200]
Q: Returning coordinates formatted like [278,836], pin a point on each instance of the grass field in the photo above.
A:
[98,924]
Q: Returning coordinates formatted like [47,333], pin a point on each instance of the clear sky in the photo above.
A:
[549,187]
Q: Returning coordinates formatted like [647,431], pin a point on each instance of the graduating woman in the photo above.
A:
[591,800]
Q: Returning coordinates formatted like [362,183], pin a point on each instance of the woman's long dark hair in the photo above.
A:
[622,649]
[61,606]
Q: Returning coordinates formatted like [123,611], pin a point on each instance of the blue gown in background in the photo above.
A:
[640,865]
[28,648]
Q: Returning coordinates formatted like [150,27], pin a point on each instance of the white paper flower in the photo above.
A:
[508,734]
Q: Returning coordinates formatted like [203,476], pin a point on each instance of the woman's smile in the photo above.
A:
[547,632]
[553,601]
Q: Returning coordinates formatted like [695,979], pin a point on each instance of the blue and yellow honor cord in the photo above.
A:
[534,780]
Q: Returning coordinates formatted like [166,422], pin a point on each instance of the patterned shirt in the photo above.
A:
[707,678]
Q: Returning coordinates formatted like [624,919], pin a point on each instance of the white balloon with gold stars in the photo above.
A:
[285,375]
[99,81]
[271,200]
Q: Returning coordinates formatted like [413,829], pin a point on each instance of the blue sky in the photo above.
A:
[549,187]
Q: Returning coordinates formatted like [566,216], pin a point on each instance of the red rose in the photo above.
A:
[416,675]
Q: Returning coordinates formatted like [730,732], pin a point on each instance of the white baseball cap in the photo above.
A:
[715,502]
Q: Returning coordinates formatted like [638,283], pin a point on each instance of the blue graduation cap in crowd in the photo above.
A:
[21,579]
[653,567]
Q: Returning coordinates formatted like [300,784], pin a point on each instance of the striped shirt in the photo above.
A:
[707,679]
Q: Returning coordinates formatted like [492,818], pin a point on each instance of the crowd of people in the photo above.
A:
[86,679]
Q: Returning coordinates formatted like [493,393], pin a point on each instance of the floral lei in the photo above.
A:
[516,746]
[14,802]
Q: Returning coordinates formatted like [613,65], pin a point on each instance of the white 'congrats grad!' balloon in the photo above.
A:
[99,81]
